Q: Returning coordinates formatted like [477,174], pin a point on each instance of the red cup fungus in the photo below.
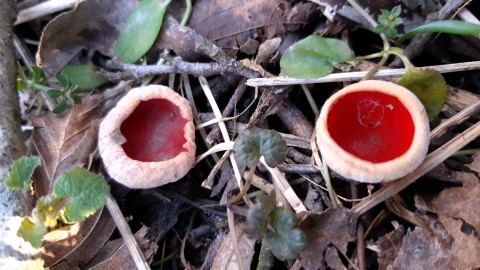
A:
[373,131]
[148,138]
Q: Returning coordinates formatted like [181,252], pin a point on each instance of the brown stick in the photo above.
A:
[14,252]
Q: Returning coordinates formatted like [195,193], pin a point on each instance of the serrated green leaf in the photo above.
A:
[85,191]
[429,86]
[287,240]
[259,214]
[32,232]
[83,76]
[448,26]
[140,30]
[283,220]
[314,57]
[21,172]
[251,144]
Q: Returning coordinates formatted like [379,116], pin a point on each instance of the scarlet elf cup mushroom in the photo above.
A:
[148,138]
[373,131]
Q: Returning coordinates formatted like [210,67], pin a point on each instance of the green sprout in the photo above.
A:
[388,22]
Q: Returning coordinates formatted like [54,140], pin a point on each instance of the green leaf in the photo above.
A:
[448,26]
[60,108]
[141,30]
[314,57]
[32,232]
[63,80]
[259,214]
[21,172]
[85,191]
[83,76]
[253,143]
[287,240]
[54,93]
[38,75]
[429,86]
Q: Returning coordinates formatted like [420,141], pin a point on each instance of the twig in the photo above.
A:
[134,72]
[127,235]
[358,75]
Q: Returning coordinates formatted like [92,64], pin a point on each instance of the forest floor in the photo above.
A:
[224,58]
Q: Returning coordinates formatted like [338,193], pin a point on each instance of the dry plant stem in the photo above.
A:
[134,72]
[455,120]
[43,9]
[233,236]
[239,91]
[310,99]
[419,42]
[468,16]
[15,253]
[362,264]
[223,128]
[431,161]
[248,183]
[285,187]
[127,235]
[358,75]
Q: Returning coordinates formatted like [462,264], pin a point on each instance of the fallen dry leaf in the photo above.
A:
[80,254]
[63,141]
[389,246]
[459,202]
[333,228]
[115,254]
[213,20]
[475,165]
[226,259]
[466,246]
[93,24]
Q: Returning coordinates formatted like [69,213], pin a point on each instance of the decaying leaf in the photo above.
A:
[63,141]
[94,237]
[333,228]
[93,24]
[115,254]
[459,202]
[226,258]
[389,246]
[213,20]
[63,242]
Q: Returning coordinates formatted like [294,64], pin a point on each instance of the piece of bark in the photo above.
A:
[15,253]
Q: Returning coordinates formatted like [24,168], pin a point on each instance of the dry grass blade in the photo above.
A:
[358,75]
[285,187]
[63,141]
[456,119]
[127,235]
[432,160]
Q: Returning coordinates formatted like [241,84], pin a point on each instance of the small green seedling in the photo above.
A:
[76,194]
[277,227]
[388,22]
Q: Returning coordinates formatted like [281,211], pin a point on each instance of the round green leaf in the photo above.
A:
[429,86]
[251,144]
[314,57]
[283,220]
[141,30]
[83,76]
[85,191]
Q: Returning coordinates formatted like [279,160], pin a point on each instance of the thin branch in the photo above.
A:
[135,72]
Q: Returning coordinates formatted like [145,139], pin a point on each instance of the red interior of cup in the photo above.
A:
[371,125]
[154,131]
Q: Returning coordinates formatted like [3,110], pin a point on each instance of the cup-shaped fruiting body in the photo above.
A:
[373,131]
[148,138]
